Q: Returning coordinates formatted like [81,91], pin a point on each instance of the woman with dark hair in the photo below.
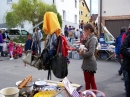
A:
[89,65]
[6,36]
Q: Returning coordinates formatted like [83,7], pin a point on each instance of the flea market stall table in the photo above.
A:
[106,53]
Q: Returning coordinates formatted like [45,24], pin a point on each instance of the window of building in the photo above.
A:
[64,15]
[9,1]
[75,3]
[86,15]
[75,18]
[83,4]
[81,12]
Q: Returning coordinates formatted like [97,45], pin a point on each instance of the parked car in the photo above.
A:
[14,32]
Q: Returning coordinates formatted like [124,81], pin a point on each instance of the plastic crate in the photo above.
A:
[69,54]
[103,55]
[75,55]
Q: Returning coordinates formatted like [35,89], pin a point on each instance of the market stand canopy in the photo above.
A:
[51,23]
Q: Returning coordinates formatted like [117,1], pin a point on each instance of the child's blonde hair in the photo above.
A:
[11,40]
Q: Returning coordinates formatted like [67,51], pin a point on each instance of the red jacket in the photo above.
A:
[64,46]
[123,38]
[19,49]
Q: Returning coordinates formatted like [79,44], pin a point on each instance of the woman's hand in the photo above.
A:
[80,52]
[85,36]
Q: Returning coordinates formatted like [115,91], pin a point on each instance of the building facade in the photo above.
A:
[114,14]
[68,9]
[84,12]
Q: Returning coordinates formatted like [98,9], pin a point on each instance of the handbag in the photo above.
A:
[46,59]
[27,58]
[37,62]
[59,63]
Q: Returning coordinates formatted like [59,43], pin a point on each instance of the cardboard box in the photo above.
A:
[69,54]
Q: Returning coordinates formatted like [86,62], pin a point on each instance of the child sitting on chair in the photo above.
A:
[18,51]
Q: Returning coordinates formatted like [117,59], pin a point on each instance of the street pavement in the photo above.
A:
[107,78]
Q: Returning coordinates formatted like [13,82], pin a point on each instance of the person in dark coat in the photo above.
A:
[30,46]
[117,47]
[66,31]
[6,36]
[125,51]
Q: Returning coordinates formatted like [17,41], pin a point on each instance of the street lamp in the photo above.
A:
[90,8]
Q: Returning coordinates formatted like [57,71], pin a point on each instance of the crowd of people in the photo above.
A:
[89,65]
[89,39]
[123,54]
[71,33]
[8,46]
[15,50]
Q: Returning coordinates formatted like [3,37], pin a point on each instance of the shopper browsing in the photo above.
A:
[89,65]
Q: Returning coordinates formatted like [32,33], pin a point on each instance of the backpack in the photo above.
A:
[71,33]
[45,54]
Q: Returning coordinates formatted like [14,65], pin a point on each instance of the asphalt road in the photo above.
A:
[107,78]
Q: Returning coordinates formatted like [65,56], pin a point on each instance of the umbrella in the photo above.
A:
[109,38]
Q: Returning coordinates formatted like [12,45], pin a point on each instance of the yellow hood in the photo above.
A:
[51,23]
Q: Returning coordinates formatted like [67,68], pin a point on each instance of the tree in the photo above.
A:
[29,10]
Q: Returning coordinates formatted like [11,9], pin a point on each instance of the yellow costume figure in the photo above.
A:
[51,24]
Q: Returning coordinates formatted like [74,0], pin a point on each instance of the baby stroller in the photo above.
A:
[5,51]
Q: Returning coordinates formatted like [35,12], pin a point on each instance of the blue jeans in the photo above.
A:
[127,82]
[38,47]
[119,60]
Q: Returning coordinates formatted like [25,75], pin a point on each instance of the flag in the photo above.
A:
[70,88]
